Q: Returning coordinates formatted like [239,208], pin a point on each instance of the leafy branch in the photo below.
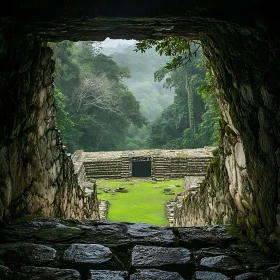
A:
[179,49]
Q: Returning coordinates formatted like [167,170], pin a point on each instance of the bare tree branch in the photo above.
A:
[98,92]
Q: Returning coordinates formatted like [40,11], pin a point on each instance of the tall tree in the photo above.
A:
[99,104]
[187,74]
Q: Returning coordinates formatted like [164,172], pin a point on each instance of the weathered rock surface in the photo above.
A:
[34,273]
[37,174]
[204,236]
[87,253]
[207,275]
[26,254]
[221,263]
[151,234]
[205,200]
[89,250]
[103,209]
[252,276]
[107,275]
[170,259]
[155,274]
[5,272]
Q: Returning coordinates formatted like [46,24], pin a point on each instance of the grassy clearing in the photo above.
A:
[144,202]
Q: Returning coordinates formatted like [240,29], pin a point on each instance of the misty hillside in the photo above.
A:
[152,96]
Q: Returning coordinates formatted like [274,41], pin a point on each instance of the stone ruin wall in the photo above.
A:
[205,199]
[165,164]
[36,175]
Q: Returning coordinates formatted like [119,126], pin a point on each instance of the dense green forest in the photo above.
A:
[135,98]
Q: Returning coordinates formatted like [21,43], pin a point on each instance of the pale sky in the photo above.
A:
[114,42]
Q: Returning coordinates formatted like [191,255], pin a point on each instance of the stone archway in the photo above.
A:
[242,51]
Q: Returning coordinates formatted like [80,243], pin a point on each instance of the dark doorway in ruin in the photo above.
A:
[141,167]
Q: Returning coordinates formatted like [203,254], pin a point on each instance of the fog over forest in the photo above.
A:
[116,97]
[152,95]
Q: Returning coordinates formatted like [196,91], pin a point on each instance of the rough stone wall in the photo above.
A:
[80,171]
[205,200]
[245,63]
[36,174]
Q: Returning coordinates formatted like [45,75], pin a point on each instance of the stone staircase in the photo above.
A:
[103,169]
[126,167]
[169,168]
[34,249]
[197,166]
[103,209]
[159,169]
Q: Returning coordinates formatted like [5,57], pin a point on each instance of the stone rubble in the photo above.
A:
[37,248]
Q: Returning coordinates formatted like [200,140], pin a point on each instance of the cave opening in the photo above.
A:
[247,95]
[98,109]
[93,95]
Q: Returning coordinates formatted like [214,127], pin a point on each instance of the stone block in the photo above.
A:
[199,237]
[252,276]
[155,274]
[27,253]
[170,259]
[221,263]
[5,273]
[87,256]
[208,275]
[35,273]
[107,275]
[151,234]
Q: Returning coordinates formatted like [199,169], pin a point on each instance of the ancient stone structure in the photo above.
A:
[157,164]
[240,40]
[205,199]
[103,209]
[36,174]
[96,250]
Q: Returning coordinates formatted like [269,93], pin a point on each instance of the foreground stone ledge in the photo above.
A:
[170,259]
[35,273]
[207,275]
[91,232]
[127,233]
[155,274]
[87,253]
[27,254]
[107,275]
[205,236]
[255,276]
[132,251]
[5,272]
[152,234]
[221,263]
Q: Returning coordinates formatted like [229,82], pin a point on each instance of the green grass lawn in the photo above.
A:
[144,202]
